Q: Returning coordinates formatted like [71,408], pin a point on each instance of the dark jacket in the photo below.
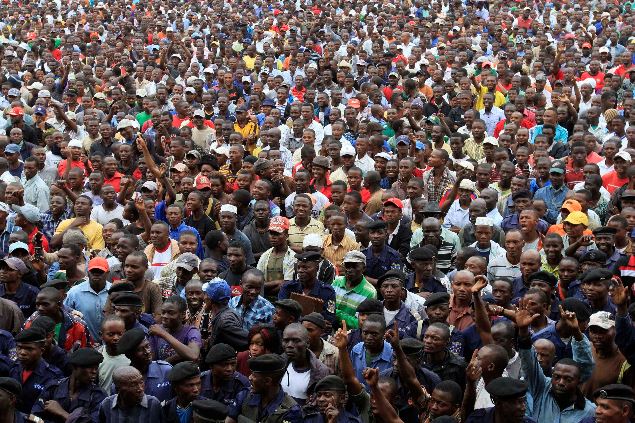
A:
[169,411]
[401,240]
[89,399]
[451,368]
[317,372]
[228,391]
[227,327]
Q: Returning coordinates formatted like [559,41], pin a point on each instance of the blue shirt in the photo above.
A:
[149,410]
[545,408]
[175,233]
[553,198]
[24,297]
[229,389]
[382,362]
[486,415]
[260,311]
[156,380]
[42,376]
[320,290]
[294,415]
[7,345]
[388,259]
[562,350]
[84,299]
[89,398]
[561,134]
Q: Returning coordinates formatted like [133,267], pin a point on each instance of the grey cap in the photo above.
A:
[187,261]
[354,257]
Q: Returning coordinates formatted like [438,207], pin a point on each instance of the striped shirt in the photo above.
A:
[335,253]
[297,234]
[347,300]
[500,267]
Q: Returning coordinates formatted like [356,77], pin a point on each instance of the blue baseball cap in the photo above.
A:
[420,146]
[12,149]
[218,291]
[40,110]
[403,139]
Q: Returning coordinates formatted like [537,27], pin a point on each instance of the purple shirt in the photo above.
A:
[162,350]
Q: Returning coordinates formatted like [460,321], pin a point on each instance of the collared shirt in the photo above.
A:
[229,389]
[320,290]
[92,231]
[347,300]
[297,233]
[42,375]
[330,356]
[89,398]
[4,237]
[434,191]
[36,192]
[553,198]
[251,400]
[491,118]
[156,380]
[288,264]
[84,299]
[260,311]
[149,410]
[474,149]
[335,253]
[460,318]
[24,297]
[561,134]
[360,359]
[377,265]
[500,267]
[456,216]
[49,223]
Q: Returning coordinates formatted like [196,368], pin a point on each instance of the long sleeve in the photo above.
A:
[625,337]
[534,375]
[583,355]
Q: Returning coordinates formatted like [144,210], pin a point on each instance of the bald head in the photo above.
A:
[122,375]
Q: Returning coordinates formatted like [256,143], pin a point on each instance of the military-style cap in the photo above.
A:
[121,287]
[604,230]
[437,298]
[330,383]
[616,391]
[182,371]
[581,310]
[506,388]
[594,256]
[130,340]
[421,253]
[11,386]
[322,161]
[209,409]
[290,306]
[431,208]
[354,257]
[392,274]
[370,306]
[85,357]
[127,299]
[316,318]
[411,346]
[376,225]
[543,277]
[45,323]
[60,284]
[521,194]
[599,274]
[309,256]
[31,335]
[219,353]
[267,363]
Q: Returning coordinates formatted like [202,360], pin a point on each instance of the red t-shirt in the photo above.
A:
[611,181]
[114,182]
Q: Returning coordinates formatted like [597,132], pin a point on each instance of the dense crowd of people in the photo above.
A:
[334,212]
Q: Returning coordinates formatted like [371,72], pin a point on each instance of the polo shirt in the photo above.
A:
[347,300]
[91,304]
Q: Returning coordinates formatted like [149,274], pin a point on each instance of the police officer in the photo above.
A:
[509,396]
[208,411]
[33,373]
[128,306]
[331,400]
[307,283]
[185,378]
[222,382]
[134,344]
[424,278]
[438,310]
[614,404]
[10,391]
[380,257]
[53,353]
[266,402]
[7,345]
[59,400]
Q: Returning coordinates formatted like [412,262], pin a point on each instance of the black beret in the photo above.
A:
[127,299]
[130,340]
[31,335]
[309,256]
[392,274]
[543,277]
[604,230]
[376,225]
[182,371]
[616,391]
[593,256]
[121,287]
[11,385]
[220,352]
[597,274]
[45,323]
[209,409]
[421,253]
[521,194]
[267,363]
[437,298]
[506,387]
[581,310]
[330,383]
[60,284]
[290,306]
[411,346]
[316,318]
[85,357]
[370,306]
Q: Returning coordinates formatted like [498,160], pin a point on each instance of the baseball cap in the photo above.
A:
[29,211]
[179,167]
[149,185]
[39,110]
[44,94]
[624,156]
[12,149]
[354,257]
[468,185]
[354,103]
[16,111]
[16,264]
[395,202]
[312,240]
[13,92]
[99,263]
[577,218]
[218,291]
[230,208]
[18,246]
[602,319]
[199,113]
[202,182]
[571,205]
[279,224]
[347,150]
[187,261]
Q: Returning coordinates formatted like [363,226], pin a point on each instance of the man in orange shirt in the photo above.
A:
[617,177]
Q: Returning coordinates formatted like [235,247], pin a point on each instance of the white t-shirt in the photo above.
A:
[389,315]
[159,260]
[296,384]
[102,216]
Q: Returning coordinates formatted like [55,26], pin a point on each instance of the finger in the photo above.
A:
[474,355]
[344,326]
[395,327]
[561,309]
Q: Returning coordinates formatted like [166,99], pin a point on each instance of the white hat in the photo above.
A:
[312,240]
[177,56]
[384,155]
[344,64]
[468,185]
[71,115]
[141,92]
[199,113]
[150,185]
[229,208]
[222,149]
[588,81]
[44,94]
[347,150]
[604,49]
[484,221]
[208,69]
[192,79]
[125,123]
[465,164]
[602,319]
[36,86]
[624,156]
[190,90]
[75,143]
[491,140]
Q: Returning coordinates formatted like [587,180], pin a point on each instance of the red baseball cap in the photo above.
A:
[202,182]
[279,224]
[395,202]
[354,103]
[98,263]
[16,111]
[587,45]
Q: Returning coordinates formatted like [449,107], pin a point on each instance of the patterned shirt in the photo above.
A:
[260,311]
[335,253]
[473,149]
[347,300]
[434,191]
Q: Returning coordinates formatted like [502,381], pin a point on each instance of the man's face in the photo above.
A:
[372,335]
[236,258]
[294,343]
[595,291]
[188,389]
[134,268]
[29,353]
[565,380]
[434,340]
[608,411]
[462,287]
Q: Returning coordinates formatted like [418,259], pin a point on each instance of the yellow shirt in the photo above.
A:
[92,232]
[335,253]
[249,61]
[499,99]
[297,234]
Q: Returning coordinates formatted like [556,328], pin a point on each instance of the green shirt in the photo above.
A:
[143,117]
[347,301]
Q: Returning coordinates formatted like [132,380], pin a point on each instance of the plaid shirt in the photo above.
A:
[433,192]
[260,311]
[49,223]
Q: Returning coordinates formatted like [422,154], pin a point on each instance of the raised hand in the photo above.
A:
[523,317]
[480,282]
[340,339]
[392,335]
[569,319]
[371,375]
[474,370]
[619,295]
[331,414]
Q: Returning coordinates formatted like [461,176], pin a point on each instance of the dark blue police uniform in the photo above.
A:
[320,290]
[228,391]
[42,375]
[388,259]
[24,297]
[89,399]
